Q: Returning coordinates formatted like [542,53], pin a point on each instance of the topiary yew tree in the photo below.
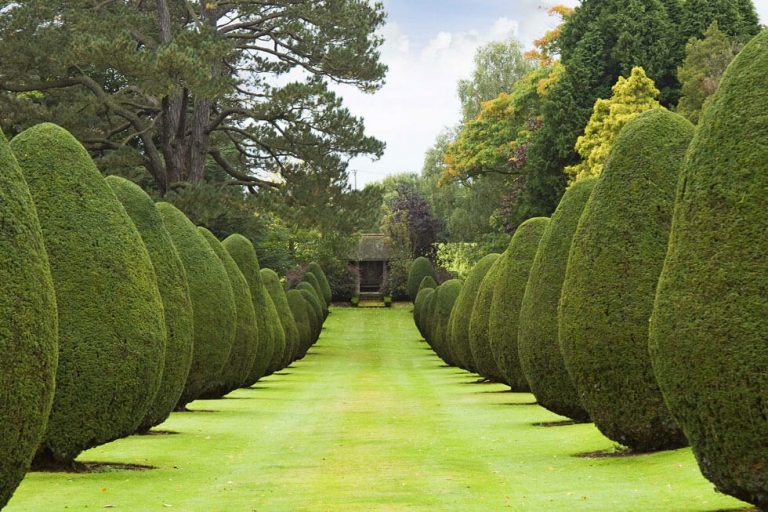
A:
[174,291]
[458,328]
[421,267]
[427,282]
[28,327]
[512,279]
[316,313]
[310,278]
[242,251]
[418,311]
[277,294]
[213,303]
[245,344]
[537,342]
[111,328]
[300,311]
[444,301]
[316,270]
[613,269]
[710,324]
[479,324]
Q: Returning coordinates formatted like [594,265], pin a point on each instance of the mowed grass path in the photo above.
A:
[372,421]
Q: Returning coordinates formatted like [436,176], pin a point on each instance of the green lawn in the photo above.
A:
[371,421]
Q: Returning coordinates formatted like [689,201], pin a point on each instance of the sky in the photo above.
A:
[429,46]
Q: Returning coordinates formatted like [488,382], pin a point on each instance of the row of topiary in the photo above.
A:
[642,305]
[115,311]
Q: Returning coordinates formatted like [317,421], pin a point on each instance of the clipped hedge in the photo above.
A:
[174,291]
[418,310]
[610,283]
[479,324]
[512,279]
[316,316]
[458,326]
[316,270]
[242,251]
[427,282]
[106,293]
[245,345]
[540,357]
[709,325]
[310,278]
[213,303]
[301,312]
[28,327]
[445,298]
[420,268]
[428,317]
[276,292]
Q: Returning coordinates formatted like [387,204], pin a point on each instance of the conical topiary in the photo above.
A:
[242,251]
[301,314]
[504,321]
[445,298]
[213,303]
[610,283]
[276,292]
[28,327]
[418,307]
[458,327]
[479,324]
[318,272]
[709,325]
[420,268]
[310,278]
[174,291]
[428,317]
[316,316]
[111,326]
[245,345]
[427,282]
[540,357]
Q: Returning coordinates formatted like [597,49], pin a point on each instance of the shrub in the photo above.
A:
[310,278]
[106,293]
[428,316]
[317,271]
[508,292]
[445,298]
[610,283]
[387,302]
[540,357]
[355,301]
[174,291]
[301,314]
[427,282]
[709,325]
[421,267]
[242,251]
[418,309]
[245,345]
[458,327]
[28,327]
[276,292]
[315,304]
[479,322]
[213,303]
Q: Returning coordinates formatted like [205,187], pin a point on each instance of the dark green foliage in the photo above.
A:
[301,314]
[317,271]
[512,278]
[316,305]
[421,267]
[479,323]
[245,345]
[242,251]
[310,278]
[737,18]
[444,299]
[540,357]
[106,293]
[277,294]
[709,324]
[428,317]
[418,307]
[174,290]
[28,327]
[427,282]
[613,268]
[213,303]
[458,327]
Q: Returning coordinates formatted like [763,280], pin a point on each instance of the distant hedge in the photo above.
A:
[310,278]
[106,293]
[245,345]
[276,292]
[479,325]
[458,327]
[710,325]
[420,268]
[540,357]
[316,308]
[514,269]
[213,303]
[301,314]
[28,327]
[616,257]
[319,274]
[427,282]
[174,291]
[242,251]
